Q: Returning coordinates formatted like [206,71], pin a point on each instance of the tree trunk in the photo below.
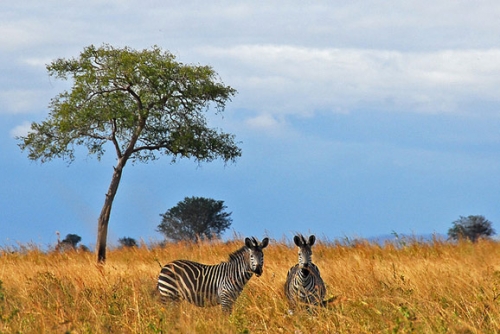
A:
[102,223]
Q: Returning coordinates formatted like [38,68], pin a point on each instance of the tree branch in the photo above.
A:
[114,140]
[150,147]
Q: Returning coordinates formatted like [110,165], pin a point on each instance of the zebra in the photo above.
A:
[303,282]
[211,285]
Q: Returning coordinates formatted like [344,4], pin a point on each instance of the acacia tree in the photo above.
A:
[72,239]
[139,103]
[127,242]
[472,228]
[195,217]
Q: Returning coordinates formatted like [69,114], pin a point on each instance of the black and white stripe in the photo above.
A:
[303,283]
[210,285]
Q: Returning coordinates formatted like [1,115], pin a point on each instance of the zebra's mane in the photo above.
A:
[237,254]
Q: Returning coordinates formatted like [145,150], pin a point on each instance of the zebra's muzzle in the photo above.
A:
[258,271]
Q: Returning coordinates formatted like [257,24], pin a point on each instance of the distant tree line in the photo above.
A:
[70,242]
[199,218]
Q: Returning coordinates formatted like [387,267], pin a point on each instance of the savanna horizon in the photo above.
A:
[434,287]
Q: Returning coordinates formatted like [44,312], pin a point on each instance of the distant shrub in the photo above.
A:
[472,228]
[127,242]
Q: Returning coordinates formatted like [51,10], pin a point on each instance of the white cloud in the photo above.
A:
[284,58]
[299,80]
[37,62]
[264,121]
[22,101]
[21,130]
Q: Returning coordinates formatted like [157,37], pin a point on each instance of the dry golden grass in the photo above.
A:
[412,287]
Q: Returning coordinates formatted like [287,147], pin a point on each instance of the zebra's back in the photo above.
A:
[195,282]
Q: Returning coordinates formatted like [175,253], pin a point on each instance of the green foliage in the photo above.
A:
[140,101]
[471,228]
[193,218]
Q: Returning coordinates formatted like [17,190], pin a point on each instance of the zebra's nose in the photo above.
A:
[258,271]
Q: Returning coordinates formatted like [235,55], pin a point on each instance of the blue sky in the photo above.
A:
[356,119]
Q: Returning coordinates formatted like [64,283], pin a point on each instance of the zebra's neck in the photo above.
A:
[307,274]
[304,272]
[239,262]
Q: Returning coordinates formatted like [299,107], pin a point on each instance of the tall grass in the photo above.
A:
[410,287]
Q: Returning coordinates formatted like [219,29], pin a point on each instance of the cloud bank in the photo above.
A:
[301,81]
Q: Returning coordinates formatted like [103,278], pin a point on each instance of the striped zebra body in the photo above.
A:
[304,286]
[210,285]
[304,283]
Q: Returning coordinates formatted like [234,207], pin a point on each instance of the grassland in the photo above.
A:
[410,287]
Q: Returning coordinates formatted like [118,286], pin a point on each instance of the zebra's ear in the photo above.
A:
[264,243]
[312,239]
[248,242]
[297,240]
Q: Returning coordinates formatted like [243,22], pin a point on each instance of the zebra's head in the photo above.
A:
[305,251]
[256,256]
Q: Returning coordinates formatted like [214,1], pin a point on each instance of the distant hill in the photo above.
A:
[395,237]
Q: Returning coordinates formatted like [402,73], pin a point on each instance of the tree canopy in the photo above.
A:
[72,239]
[127,242]
[471,228]
[69,242]
[141,104]
[195,218]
